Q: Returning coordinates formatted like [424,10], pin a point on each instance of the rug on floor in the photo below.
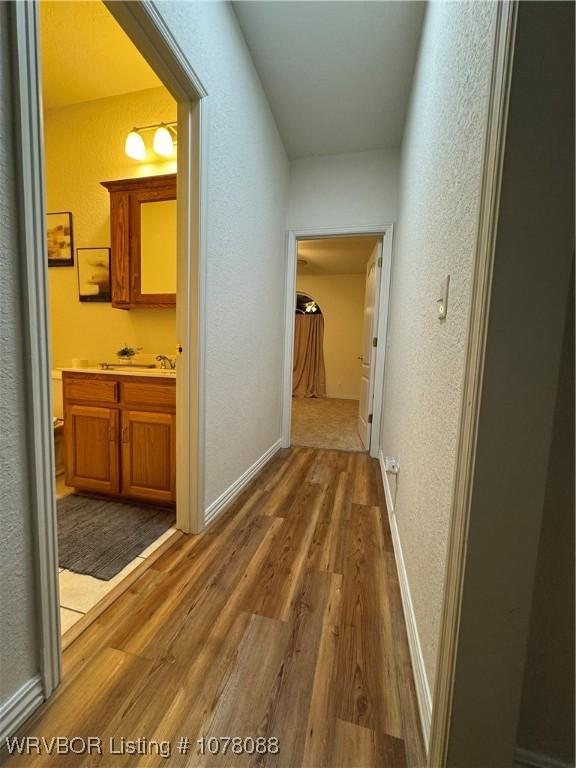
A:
[325,422]
[99,537]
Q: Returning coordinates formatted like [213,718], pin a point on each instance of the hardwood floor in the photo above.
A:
[284,619]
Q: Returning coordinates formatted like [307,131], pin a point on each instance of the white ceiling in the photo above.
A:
[86,55]
[335,255]
[337,74]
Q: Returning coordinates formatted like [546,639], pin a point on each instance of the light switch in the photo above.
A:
[442,302]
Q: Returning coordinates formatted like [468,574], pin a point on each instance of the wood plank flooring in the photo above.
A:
[283,619]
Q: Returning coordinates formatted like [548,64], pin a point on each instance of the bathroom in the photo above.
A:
[110,144]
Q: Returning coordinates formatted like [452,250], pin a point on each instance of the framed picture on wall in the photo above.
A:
[60,239]
[93,274]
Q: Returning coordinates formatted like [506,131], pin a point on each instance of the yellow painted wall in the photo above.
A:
[84,145]
[341,298]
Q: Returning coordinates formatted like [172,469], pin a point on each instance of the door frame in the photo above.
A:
[459,542]
[148,31]
[386,231]
[146,28]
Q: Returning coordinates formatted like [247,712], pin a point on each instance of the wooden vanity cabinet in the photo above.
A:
[126,199]
[91,434]
[149,455]
[120,435]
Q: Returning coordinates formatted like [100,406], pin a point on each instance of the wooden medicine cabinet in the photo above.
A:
[143,239]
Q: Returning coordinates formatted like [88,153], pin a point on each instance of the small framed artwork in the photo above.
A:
[93,274]
[60,239]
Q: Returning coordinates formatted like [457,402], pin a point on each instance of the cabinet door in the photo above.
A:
[92,455]
[149,455]
[143,237]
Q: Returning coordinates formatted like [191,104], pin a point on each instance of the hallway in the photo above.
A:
[278,604]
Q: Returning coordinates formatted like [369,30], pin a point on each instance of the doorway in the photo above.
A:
[110,177]
[154,42]
[336,312]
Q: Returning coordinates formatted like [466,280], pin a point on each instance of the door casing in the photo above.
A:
[146,28]
[386,231]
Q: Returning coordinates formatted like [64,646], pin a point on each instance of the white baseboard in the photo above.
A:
[20,706]
[418,668]
[226,498]
[524,757]
[386,484]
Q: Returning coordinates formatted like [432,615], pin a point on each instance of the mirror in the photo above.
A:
[158,247]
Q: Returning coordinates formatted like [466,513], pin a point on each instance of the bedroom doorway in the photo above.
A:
[332,338]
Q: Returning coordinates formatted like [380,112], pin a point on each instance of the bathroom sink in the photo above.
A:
[133,370]
[126,366]
[136,369]
[125,370]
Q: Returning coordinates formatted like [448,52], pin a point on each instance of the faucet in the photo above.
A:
[166,363]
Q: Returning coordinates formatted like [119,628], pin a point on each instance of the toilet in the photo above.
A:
[58,421]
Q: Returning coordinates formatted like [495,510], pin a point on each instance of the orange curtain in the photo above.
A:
[309,375]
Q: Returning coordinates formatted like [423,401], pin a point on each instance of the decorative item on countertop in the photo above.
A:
[128,353]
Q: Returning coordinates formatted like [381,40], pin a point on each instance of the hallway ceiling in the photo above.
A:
[337,74]
[86,55]
[335,255]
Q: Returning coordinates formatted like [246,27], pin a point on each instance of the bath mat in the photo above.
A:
[99,537]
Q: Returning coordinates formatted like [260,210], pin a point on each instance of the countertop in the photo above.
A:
[158,373]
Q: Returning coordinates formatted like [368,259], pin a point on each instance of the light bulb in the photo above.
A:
[135,147]
[163,144]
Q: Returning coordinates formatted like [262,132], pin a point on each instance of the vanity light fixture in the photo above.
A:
[134,146]
[163,143]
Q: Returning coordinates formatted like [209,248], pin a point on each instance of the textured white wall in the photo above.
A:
[18,661]
[355,189]
[247,191]
[524,462]
[438,210]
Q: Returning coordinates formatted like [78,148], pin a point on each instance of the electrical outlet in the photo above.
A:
[391,464]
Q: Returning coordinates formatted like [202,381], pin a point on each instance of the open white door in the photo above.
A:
[368,345]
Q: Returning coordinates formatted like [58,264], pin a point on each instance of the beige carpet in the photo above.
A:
[325,423]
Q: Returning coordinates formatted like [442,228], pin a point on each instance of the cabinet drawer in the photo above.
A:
[153,395]
[90,390]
